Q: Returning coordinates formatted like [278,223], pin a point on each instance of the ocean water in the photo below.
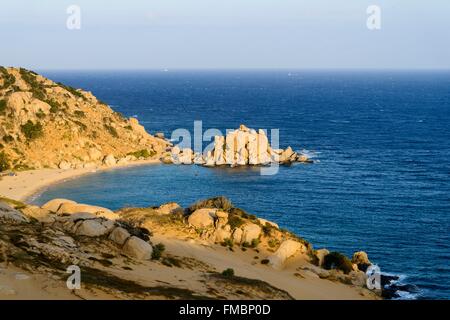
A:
[381,141]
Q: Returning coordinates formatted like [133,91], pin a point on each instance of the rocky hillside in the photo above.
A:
[48,124]
[210,250]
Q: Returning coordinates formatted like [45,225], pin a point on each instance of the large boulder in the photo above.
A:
[250,232]
[42,215]
[138,248]
[11,215]
[119,235]
[93,228]
[287,249]
[361,259]
[53,205]
[70,208]
[169,208]
[202,218]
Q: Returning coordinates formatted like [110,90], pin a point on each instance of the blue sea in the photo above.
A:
[380,139]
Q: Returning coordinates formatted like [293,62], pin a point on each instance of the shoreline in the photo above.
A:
[26,184]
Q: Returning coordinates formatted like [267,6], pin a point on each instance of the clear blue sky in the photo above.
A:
[157,34]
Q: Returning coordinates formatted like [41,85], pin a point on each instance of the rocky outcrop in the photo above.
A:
[361,260]
[53,205]
[202,218]
[11,215]
[240,147]
[124,246]
[287,249]
[71,208]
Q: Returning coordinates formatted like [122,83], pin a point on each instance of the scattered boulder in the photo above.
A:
[53,205]
[119,235]
[201,218]
[287,249]
[137,248]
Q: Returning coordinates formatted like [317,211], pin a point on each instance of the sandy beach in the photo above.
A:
[25,184]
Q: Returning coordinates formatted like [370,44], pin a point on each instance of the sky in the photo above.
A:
[225,34]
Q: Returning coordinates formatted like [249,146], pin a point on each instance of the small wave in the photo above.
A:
[396,288]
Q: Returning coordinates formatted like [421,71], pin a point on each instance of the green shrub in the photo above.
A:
[112,131]
[235,221]
[265,261]
[336,260]
[228,272]
[82,126]
[72,90]
[32,130]
[8,79]
[267,229]
[4,162]
[227,243]
[79,114]
[157,251]
[8,139]
[144,153]
[40,114]
[273,242]
[54,106]
[2,107]
[217,202]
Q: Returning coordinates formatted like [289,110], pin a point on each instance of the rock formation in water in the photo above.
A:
[240,147]
[48,124]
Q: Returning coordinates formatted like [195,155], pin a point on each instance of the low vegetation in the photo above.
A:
[32,130]
[228,272]
[336,260]
[221,203]
[158,251]
[4,162]
[144,153]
